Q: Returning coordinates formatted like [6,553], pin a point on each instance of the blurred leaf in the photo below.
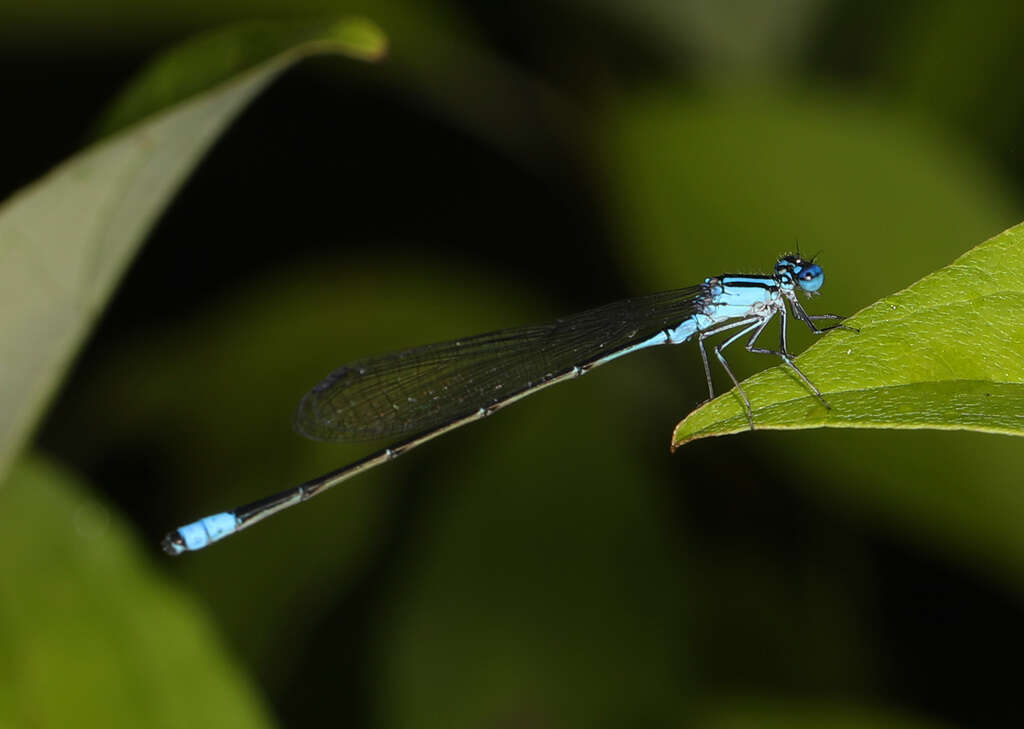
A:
[743,36]
[88,637]
[66,239]
[438,58]
[945,353]
[724,181]
[213,58]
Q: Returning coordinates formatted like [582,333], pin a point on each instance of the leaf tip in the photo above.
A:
[361,38]
[687,431]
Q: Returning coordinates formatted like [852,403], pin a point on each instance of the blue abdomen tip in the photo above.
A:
[207,530]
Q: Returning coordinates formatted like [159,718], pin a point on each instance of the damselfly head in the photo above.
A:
[793,270]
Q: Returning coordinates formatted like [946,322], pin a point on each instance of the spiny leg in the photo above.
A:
[783,353]
[757,327]
[821,330]
[703,352]
[809,319]
[707,367]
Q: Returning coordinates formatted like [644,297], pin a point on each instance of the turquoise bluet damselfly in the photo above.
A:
[436,388]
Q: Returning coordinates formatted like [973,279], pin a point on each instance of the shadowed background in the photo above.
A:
[553,566]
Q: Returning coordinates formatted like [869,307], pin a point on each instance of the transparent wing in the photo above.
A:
[426,387]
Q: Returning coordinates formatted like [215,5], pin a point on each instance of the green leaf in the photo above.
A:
[946,353]
[88,636]
[219,56]
[719,182]
[66,239]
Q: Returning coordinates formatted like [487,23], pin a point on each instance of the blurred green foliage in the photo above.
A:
[552,567]
[69,236]
[92,636]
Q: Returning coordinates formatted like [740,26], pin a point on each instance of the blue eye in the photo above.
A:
[810,277]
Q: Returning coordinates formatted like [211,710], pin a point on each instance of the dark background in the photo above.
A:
[554,566]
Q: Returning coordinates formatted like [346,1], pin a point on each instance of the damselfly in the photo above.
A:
[436,388]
